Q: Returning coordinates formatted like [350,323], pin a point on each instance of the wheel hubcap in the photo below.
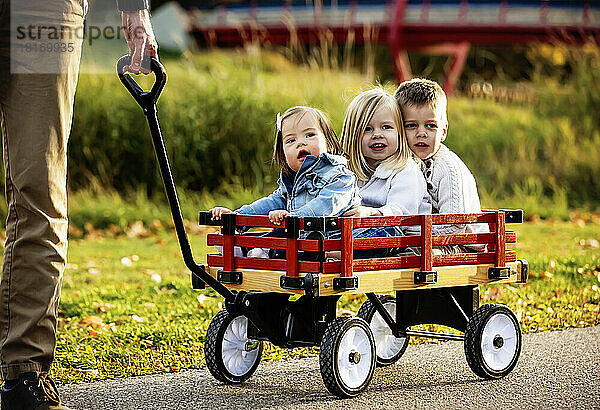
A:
[238,352]
[499,341]
[354,357]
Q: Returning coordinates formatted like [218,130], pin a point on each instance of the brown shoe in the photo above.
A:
[32,392]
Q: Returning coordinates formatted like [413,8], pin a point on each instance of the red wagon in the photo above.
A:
[292,302]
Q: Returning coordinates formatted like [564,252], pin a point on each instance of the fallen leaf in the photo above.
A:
[494,293]
[74,231]
[344,312]
[137,230]
[102,307]
[589,243]
[157,225]
[95,322]
[94,234]
[113,230]
[90,371]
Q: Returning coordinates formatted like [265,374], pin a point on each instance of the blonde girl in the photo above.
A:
[389,177]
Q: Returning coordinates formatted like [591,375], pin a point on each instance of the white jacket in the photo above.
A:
[395,192]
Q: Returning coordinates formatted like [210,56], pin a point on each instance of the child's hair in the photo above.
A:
[333,145]
[419,92]
[359,113]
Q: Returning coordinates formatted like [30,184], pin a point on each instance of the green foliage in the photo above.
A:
[218,111]
[217,115]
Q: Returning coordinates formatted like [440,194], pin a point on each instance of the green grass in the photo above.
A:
[128,309]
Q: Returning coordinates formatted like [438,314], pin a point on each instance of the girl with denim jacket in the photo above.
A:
[314,179]
[390,177]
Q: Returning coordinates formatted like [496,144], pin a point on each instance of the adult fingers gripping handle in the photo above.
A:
[146,99]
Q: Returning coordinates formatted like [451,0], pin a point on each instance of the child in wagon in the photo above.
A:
[314,179]
[449,182]
[390,180]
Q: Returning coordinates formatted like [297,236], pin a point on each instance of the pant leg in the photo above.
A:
[36,114]
[378,232]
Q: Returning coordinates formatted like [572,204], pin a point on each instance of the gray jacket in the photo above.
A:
[453,190]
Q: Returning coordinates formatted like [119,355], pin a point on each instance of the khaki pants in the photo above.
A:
[36,113]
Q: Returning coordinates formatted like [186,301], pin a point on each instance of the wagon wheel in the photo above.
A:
[389,348]
[493,341]
[230,356]
[347,356]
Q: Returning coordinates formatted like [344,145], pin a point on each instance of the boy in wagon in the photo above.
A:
[449,182]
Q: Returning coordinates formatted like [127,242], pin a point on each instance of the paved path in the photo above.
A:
[555,370]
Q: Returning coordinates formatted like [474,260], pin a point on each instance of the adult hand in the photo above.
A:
[278,216]
[140,39]
[362,211]
[217,211]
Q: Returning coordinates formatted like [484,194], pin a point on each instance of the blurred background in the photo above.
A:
[523,79]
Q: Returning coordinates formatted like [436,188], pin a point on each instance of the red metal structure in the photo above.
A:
[496,253]
[446,27]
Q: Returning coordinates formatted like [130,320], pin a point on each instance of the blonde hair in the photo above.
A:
[420,92]
[333,145]
[359,113]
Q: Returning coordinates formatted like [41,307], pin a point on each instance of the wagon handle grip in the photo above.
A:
[146,99]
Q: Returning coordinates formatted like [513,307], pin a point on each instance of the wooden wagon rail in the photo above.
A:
[372,274]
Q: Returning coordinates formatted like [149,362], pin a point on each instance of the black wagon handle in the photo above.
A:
[146,99]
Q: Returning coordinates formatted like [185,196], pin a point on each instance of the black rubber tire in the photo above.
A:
[366,312]
[473,341]
[213,350]
[328,356]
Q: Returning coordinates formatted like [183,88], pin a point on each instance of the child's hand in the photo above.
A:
[362,211]
[278,216]
[217,211]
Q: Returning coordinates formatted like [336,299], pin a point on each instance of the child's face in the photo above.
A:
[380,139]
[301,136]
[425,129]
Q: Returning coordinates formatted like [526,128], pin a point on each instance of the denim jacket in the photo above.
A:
[323,186]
